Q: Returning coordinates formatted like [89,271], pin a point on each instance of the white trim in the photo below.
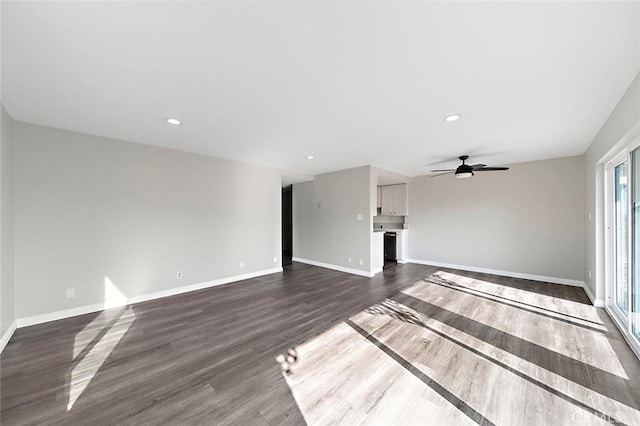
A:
[53,316]
[378,270]
[598,303]
[542,278]
[334,267]
[81,310]
[7,336]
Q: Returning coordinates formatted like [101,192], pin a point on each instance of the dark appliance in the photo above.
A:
[390,254]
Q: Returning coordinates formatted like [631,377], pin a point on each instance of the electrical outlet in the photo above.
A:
[359,217]
[241,264]
[589,273]
[349,259]
[275,259]
[179,275]
[360,260]
[71,293]
[589,216]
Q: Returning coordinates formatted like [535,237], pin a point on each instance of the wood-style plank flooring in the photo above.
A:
[414,345]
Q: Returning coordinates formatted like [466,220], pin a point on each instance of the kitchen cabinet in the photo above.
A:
[379,203]
[400,200]
[393,200]
[386,200]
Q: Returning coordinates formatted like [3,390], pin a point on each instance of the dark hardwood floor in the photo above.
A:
[412,334]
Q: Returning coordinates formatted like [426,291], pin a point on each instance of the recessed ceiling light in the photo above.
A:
[173,121]
[310,157]
[452,117]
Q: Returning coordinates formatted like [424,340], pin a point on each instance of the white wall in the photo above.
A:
[528,220]
[7,283]
[90,209]
[330,233]
[622,125]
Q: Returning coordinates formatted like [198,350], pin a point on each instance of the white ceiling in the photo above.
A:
[353,83]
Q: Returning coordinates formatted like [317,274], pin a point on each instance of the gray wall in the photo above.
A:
[7,283]
[528,220]
[622,124]
[331,234]
[89,209]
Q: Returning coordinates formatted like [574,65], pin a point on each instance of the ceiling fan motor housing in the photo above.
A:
[464,168]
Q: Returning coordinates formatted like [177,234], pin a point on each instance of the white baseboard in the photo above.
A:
[334,267]
[541,278]
[7,335]
[57,315]
[375,271]
[81,310]
[598,303]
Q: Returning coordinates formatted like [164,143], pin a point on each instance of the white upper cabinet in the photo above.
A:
[400,200]
[393,200]
[379,203]
[387,202]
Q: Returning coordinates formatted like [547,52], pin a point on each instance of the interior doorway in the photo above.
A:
[287,225]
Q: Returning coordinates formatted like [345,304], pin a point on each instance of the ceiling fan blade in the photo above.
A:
[478,166]
[490,169]
[445,170]
[442,174]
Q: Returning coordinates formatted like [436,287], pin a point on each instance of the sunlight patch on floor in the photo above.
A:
[467,351]
[391,364]
[85,369]
[112,298]
[564,338]
[341,378]
[85,336]
[559,312]
[501,290]
[95,342]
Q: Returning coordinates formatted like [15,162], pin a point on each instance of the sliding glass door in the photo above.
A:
[621,236]
[623,262]
[634,288]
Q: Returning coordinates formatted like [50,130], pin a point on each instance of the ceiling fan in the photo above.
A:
[466,170]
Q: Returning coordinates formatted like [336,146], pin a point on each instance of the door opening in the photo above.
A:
[287,225]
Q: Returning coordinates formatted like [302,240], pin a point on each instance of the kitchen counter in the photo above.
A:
[377,251]
[388,230]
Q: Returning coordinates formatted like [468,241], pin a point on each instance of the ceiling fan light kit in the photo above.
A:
[463,175]
[466,171]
